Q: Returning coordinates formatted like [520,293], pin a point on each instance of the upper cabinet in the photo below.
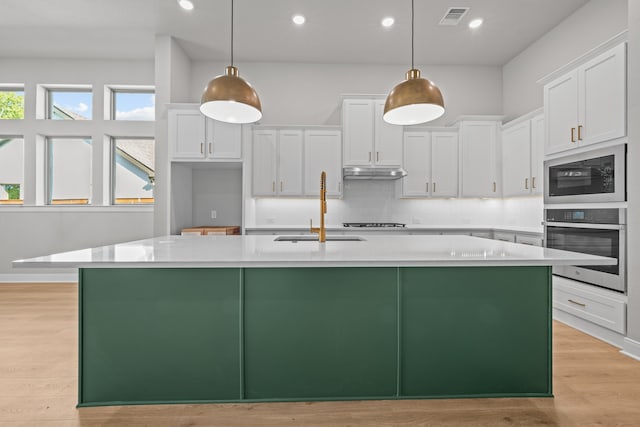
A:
[288,162]
[277,162]
[431,162]
[588,104]
[192,136]
[369,140]
[478,155]
[522,157]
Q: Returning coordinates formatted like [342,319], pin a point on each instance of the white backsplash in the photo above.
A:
[378,201]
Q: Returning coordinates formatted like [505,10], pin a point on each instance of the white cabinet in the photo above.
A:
[522,157]
[192,136]
[588,104]
[504,236]
[529,240]
[431,162]
[369,140]
[479,147]
[277,162]
[322,152]
[263,161]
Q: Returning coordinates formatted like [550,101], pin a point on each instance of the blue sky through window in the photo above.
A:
[135,106]
[79,103]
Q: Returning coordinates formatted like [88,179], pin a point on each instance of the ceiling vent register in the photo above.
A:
[454,15]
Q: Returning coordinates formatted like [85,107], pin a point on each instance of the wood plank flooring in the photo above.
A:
[594,385]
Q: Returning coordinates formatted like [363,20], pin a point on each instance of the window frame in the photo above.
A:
[111,96]
[22,189]
[112,179]
[48,171]
[48,101]
[15,87]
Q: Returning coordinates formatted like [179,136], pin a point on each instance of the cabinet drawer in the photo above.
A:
[505,237]
[529,240]
[598,306]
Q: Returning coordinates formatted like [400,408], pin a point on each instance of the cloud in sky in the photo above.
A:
[81,107]
[144,113]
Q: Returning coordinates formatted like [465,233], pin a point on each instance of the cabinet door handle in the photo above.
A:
[426,187]
[201,148]
[573,138]
[280,186]
[210,148]
[579,132]
[273,186]
[526,183]
[533,182]
[369,156]
[434,187]
[494,186]
[339,186]
[577,303]
[377,156]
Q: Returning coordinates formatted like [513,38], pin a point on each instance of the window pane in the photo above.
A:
[134,105]
[68,105]
[11,104]
[11,171]
[134,171]
[69,171]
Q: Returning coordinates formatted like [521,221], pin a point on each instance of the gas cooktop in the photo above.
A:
[374,224]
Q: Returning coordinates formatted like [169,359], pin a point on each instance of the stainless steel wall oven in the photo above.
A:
[598,231]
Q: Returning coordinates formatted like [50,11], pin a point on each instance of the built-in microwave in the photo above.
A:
[589,177]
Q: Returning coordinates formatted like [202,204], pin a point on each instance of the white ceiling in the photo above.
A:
[337,31]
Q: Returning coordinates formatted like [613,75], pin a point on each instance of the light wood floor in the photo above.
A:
[594,385]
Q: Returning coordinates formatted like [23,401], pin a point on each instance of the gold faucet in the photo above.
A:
[322,232]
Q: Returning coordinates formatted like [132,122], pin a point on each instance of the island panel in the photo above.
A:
[320,333]
[475,331]
[154,335]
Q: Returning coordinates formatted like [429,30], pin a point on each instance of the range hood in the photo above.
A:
[373,173]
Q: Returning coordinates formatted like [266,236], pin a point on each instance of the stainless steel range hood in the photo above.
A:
[373,173]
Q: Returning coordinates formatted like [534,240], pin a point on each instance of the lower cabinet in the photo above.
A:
[599,306]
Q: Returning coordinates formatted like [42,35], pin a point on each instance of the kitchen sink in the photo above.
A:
[310,238]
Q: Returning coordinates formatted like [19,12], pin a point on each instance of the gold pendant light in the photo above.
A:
[415,100]
[229,98]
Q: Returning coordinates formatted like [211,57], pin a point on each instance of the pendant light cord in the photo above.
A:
[412,19]
[232,32]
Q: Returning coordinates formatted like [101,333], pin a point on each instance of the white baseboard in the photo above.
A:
[39,278]
[631,348]
[597,331]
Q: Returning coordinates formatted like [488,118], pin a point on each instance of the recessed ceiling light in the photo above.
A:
[186,4]
[388,21]
[475,23]
[298,19]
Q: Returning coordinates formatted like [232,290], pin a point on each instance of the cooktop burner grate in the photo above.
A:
[374,224]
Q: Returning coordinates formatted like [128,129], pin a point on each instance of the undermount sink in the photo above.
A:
[310,238]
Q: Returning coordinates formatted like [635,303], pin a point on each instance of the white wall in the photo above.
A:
[592,24]
[309,94]
[28,231]
[219,190]
[172,77]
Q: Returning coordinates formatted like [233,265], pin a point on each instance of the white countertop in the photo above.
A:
[408,228]
[263,251]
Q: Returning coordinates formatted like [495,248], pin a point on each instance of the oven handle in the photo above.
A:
[585,225]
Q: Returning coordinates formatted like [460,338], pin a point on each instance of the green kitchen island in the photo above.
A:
[246,318]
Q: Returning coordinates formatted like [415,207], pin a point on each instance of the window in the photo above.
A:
[69,104]
[11,103]
[69,171]
[11,171]
[129,104]
[133,170]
